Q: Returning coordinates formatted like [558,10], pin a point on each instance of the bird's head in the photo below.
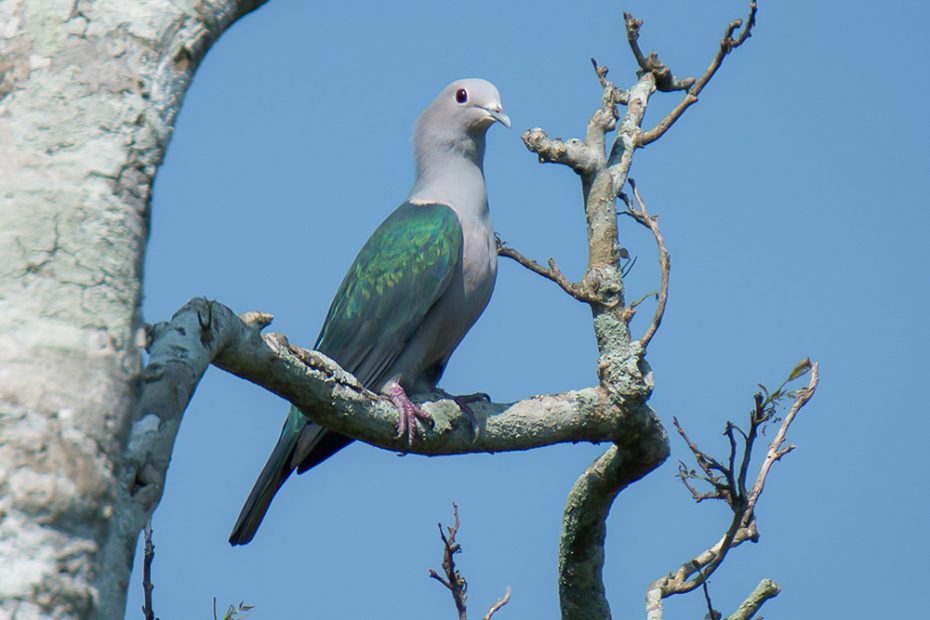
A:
[468,106]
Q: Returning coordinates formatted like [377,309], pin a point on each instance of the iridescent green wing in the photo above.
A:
[401,271]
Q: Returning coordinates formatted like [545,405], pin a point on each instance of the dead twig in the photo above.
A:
[453,579]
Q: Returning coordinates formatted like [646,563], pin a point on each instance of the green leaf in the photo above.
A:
[800,369]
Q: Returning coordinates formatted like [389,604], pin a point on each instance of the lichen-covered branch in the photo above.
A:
[205,332]
[603,177]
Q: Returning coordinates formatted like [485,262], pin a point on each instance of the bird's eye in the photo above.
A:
[461,95]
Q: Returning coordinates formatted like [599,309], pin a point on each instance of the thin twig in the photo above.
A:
[712,613]
[641,215]
[727,44]
[553,273]
[775,453]
[149,554]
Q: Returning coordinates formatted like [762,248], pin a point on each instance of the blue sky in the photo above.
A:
[793,202]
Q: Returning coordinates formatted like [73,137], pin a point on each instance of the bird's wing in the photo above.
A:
[402,270]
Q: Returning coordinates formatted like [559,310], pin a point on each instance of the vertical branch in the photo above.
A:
[623,373]
[453,580]
[147,586]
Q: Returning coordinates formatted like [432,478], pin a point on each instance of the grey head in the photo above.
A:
[450,132]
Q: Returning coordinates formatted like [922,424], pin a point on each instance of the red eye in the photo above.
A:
[461,95]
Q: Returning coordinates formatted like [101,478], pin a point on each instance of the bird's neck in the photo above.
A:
[450,171]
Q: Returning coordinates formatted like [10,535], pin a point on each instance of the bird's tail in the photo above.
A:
[278,468]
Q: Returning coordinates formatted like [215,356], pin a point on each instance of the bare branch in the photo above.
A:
[665,81]
[612,95]
[802,397]
[573,153]
[764,591]
[500,603]
[727,44]
[743,524]
[148,556]
[453,579]
[641,215]
[577,290]
[712,614]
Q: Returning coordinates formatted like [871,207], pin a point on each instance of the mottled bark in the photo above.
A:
[88,95]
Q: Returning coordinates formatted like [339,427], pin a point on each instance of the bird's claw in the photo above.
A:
[464,403]
[409,413]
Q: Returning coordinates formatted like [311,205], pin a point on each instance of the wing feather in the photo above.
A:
[401,271]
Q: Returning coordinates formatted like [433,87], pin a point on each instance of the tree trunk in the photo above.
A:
[88,96]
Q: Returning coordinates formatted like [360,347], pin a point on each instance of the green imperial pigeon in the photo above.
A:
[415,288]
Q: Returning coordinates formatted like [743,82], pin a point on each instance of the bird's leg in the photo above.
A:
[463,401]
[409,412]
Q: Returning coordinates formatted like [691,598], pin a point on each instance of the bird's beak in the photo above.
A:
[499,116]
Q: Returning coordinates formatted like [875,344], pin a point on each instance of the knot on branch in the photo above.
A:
[605,283]
[573,153]
[622,369]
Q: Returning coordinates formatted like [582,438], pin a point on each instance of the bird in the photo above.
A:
[416,287]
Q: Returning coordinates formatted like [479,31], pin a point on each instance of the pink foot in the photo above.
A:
[409,413]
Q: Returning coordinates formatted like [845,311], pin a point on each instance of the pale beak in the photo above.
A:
[499,116]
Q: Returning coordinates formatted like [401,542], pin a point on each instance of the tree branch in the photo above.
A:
[641,215]
[766,590]
[149,555]
[731,488]
[500,603]
[553,273]
[665,81]
[453,580]
[204,332]
[727,44]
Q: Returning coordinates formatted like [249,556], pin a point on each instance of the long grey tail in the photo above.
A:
[278,468]
[302,445]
